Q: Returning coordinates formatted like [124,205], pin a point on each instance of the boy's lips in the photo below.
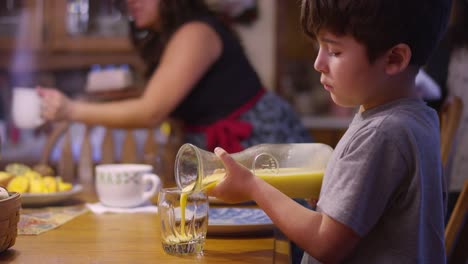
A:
[327,86]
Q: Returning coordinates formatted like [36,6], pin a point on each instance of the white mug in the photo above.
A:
[26,108]
[125,185]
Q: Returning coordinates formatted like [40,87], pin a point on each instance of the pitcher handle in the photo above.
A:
[266,163]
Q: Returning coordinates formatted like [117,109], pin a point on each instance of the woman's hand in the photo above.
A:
[55,105]
[238,182]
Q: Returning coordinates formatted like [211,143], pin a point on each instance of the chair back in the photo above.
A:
[456,232]
[74,149]
[450,115]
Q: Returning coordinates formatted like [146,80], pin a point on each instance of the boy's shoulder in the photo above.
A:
[401,124]
[400,115]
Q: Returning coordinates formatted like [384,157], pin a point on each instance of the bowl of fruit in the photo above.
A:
[37,187]
[10,204]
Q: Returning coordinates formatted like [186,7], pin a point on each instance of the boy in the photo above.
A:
[382,195]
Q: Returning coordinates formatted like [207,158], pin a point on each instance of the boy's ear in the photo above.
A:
[398,59]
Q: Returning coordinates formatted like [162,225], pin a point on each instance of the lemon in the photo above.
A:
[63,186]
[50,184]
[36,185]
[32,175]
[5,178]
[17,168]
[18,184]
[44,169]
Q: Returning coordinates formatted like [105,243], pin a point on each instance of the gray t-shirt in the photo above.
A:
[384,181]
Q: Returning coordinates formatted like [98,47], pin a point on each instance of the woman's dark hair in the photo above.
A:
[172,14]
[458,34]
[381,24]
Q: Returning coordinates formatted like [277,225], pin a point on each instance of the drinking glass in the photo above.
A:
[184,221]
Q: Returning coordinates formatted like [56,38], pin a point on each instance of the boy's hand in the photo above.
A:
[238,182]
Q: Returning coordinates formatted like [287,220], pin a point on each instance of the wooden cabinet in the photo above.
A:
[43,35]
[21,25]
[86,25]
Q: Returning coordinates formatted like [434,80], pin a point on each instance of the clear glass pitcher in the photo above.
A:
[295,169]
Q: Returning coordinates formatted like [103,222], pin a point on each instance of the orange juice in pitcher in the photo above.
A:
[294,169]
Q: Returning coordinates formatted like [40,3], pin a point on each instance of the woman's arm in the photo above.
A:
[321,236]
[188,56]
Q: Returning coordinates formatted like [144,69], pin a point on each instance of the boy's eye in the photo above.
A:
[334,54]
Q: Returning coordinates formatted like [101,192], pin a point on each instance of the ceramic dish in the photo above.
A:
[41,199]
[216,201]
[235,220]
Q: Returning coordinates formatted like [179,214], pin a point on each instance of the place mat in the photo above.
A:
[40,220]
[99,208]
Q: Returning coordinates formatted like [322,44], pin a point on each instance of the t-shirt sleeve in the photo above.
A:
[363,180]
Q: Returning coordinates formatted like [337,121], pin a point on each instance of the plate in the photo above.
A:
[40,199]
[232,220]
[215,201]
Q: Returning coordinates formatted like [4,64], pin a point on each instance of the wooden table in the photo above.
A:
[127,238]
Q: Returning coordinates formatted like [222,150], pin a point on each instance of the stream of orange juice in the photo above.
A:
[294,182]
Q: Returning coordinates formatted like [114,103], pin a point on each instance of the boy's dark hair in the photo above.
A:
[381,24]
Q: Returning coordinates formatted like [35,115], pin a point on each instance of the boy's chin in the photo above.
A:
[343,103]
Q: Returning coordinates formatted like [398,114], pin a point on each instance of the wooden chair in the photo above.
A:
[456,232]
[116,146]
[450,115]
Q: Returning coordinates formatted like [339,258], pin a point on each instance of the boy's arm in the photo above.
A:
[321,236]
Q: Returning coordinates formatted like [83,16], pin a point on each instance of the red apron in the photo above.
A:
[228,132]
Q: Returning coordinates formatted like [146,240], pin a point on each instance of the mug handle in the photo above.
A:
[40,121]
[155,184]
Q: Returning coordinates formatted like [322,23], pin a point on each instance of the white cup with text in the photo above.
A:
[126,185]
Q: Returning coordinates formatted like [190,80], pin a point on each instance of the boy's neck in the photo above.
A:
[398,87]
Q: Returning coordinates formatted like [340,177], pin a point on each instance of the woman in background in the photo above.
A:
[197,73]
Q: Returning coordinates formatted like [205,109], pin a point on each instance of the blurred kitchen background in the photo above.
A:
[61,43]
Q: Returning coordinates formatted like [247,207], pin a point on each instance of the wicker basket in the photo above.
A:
[9,217]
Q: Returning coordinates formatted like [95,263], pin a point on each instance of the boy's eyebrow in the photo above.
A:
[328,40]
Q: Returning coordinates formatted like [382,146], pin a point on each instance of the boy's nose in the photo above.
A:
[320,63]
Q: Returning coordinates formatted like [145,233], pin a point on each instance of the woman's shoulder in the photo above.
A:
[195,37]
[196,29]
[210,20]
[223,29]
